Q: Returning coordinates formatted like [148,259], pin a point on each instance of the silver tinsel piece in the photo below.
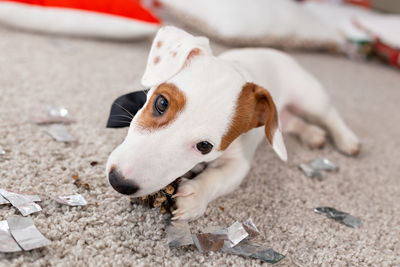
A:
[3,200]
[251,228]
[310,172]
[323,164]
[248,248]
[340,216]
[26,234]
[178,234]
[23,202]
[59,133]
[28,208]
[7,243]
[74,200]
[236,233]
[57,111]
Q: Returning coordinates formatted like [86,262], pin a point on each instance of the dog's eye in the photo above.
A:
[160,105]
[204,147]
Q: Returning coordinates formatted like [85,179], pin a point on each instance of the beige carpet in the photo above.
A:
[87,75]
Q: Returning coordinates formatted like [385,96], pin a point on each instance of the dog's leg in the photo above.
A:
[344,138]
[311,135]
[220,177]
[315,106]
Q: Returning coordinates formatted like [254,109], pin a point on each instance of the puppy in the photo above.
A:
[211,109]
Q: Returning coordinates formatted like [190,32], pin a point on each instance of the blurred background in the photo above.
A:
[358,29]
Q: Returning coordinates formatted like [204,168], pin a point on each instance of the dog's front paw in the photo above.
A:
[191,200]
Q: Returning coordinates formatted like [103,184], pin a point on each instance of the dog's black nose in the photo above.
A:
[120,184]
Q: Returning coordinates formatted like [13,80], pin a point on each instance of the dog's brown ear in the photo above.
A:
[265,113]
[255,107]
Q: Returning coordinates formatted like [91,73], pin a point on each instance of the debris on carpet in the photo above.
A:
[73,200]
[20,232]
[78,182]
[340,216]
[94,163]
[25,203]
[25,233]
[310,172]
[7,242]
[59,133]
[54,114]
[323,164]
[235,239]
[315,168]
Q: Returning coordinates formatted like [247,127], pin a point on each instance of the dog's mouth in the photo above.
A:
[163,198]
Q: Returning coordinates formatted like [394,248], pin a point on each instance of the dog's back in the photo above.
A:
[276,71]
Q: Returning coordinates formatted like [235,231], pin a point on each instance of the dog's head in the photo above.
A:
[197,106]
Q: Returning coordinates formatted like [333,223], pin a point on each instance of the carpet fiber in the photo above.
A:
[87,75]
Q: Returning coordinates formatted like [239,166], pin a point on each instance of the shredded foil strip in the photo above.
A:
[235,239]
[340,216]
[25,233]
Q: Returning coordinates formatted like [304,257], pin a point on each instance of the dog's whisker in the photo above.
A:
[125,116]
[121,121]
[124,109]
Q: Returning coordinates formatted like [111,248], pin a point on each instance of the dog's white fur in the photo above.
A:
[212,85]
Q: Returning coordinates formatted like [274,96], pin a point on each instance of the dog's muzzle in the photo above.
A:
[120,184]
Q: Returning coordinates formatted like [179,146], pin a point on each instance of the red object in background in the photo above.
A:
[125,8]
[387,53]
[363,3]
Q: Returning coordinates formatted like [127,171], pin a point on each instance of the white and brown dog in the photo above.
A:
[203,108]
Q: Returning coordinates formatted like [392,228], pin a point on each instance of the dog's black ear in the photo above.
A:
[124,107]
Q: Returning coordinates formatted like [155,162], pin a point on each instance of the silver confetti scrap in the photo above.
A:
[28,208]
[57,111]
[212,229]
[251,228]
[236,233]
[222,239]
[3,200]
[2,151]
[25,233]
[7,243]
[340,216]
[323,164]
[54,114]
[209,241]
[310,172]
[73,200]
[23,202]
[59,133]
[178,234]
[17,199]
[247,248]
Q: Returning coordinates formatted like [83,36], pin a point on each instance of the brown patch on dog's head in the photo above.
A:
[156,60]
[159,44]
[176,102]
[254,108]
